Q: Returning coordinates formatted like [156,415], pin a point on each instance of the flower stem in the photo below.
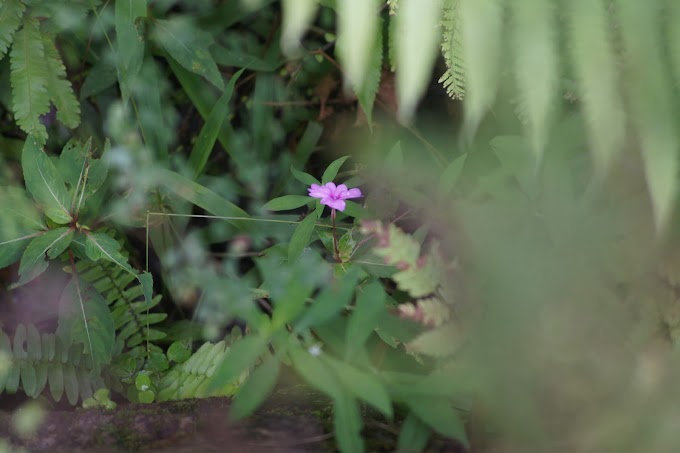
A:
[336,251]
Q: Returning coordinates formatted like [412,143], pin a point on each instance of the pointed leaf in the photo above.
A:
[451,174]
[241,356]
[363,385]
[33,263]
[413,435]
[297,14]
[59,87]
[287,202]
[257,388]
[304,178]
[332,170]
[441,416]
[188,45]
[44,182]
[11,12]
[129,43]
[369,308]
[347,422]
[300,238]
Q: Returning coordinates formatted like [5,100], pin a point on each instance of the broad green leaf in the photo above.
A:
[355,210]
[416,41]
[413,435]
[300,238]
[363,385]
[19,213]
[11,12]
[481,30]
[188,45]
[332,170]
[257,388]
[317,373]
[369,308]
[357,25]
[12,249]
[52,243]
[334,297]
[304,178]
[59,87]
[451,175]
[441,416]
[28,77]
[287,202]
[596,70]
[44,182]
[129,43]
[85,318]
[347,422]
[81,172]
[179,351]
[297,15]
[102,246]
[241,357]
[208,135]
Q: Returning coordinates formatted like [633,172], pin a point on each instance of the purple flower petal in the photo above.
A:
[341,188]
[333,196]
[336,204]
[353,193]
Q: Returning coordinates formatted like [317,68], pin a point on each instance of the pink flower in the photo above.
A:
[333,196]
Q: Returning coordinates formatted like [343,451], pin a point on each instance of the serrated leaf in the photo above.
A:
[44,182]
[287,202]
[129,43]
[85,318]
[29,79]
[300,238]
[297,14]
[59,87]
[257,388]
[367,92]
[332,170]
[188,45]
[11,12]
[304,178]
[52,242]
[208,135]
[416,40]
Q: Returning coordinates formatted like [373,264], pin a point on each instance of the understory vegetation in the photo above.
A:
[459,215]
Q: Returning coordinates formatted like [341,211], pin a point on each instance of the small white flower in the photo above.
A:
[315,350]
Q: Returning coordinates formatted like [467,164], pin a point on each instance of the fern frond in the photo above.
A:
[452,50]
[29,78]
[11,12]
[59,87]
[192,379]
[39,361]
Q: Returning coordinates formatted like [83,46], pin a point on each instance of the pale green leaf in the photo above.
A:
[369,308]
[316,372]
[441,416]
[334,297]
[362,385]
[367,92]
[129,43]
[188,45]
[297,15]
[451,175]
[241,356]
[257,388]
[332,170]
[347,422]
[416,40]
[413,435]
[357,25]
[29,79]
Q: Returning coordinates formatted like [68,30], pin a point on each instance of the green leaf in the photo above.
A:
[59,87]
[440,342]
[367,92]
[81,172]
[188,45]
[202,197]
[85,318]
[241,356]
[19,213]
[363,385]
[287,202]
[12,249]
[307,144]
[11,12]
[44,182]
[129,43]
[33,263]
[334,297]
[347,422]
[259,385]
[332,170]
[179,351]
[304,178]
[369,308]
[208,135]
[29,78]
[416,39]
[441,416]
[413,435]
[300,238]
[316,372]
[355,210]
[451,175]
[102,246]
[297,15]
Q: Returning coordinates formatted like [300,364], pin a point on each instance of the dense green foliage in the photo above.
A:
[156,157]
